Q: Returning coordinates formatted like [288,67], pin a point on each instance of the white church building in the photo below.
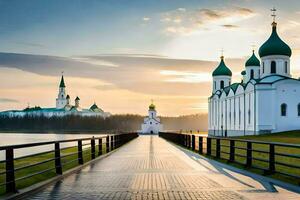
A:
[63,107]
[267,100]
[151,124]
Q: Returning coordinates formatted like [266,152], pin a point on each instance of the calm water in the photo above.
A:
[22,138]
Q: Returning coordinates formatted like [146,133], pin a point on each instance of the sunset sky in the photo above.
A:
[121,53]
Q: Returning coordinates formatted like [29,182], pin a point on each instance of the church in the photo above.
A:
[267,100]
[63,107]
[151,124]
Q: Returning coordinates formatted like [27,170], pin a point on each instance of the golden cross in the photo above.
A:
[273,10]
[151,101]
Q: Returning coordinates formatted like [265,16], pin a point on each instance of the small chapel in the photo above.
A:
[151,124]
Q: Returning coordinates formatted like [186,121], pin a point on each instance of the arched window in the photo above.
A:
[215,85]
[286,67]
[222,84]
[283,109]
[263,69]
[251,74]
[299,110]
[273,67]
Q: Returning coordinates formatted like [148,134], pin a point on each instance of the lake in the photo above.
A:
[22,138]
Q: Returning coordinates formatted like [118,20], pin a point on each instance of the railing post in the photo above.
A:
[272,158]
[193,142]
[93,148]
[10,171]
[58,166]
[111,142]
[231,150]
[100,147]
[249,154]
[200,145]
[208,148]
[80,157]
[107,144]
[218,148]
[116,141]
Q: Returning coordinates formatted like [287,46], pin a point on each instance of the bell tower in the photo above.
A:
[61,100]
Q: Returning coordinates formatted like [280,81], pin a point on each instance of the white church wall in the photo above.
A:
[264,108]
[280,65]
[288,92]
[217,82]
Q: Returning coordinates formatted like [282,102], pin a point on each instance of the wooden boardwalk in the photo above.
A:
[151,168]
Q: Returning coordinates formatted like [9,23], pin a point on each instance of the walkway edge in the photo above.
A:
[279,183]
[39,186]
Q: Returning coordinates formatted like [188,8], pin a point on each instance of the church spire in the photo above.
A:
[62,82]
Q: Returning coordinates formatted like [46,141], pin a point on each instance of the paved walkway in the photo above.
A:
[151,168]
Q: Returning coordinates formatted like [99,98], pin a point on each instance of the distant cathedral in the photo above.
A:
[151,124]
[267,100]
[63,107]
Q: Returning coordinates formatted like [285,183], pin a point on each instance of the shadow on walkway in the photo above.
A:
[267,183]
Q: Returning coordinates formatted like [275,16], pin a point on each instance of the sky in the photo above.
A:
[121,54]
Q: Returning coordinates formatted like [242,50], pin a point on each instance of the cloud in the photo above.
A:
[145,74]
[146,19]
[188,21]
[185,77]
[7,100]
[229,26]
[31,44]
[95,61]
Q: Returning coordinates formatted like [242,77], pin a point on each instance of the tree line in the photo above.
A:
[126,122]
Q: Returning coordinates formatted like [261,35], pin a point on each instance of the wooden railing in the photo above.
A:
[85,148]
[271,157]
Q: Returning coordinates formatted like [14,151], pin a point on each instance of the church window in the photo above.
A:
[283,109]
[222,84]
[152,115]
[249,112]
[251,74]
[263,67]
[215,85]
[273,67]
[299,110]
[239,110]
[249,116]
[286,67]
[239,117]
[150,122]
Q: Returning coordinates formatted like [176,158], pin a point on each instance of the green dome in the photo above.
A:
[274,45]
[252,61]
[94,107]
[222,69]
[152,106]
[243,72]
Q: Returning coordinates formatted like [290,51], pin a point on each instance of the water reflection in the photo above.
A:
[22,138]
